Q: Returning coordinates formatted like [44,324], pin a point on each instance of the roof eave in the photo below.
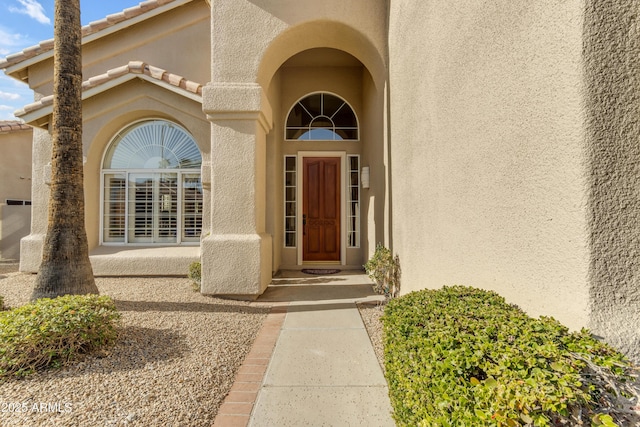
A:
[42,116]
[19,70]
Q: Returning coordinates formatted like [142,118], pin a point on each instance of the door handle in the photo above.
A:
[304,224]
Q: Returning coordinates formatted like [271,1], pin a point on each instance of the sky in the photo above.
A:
[25,23]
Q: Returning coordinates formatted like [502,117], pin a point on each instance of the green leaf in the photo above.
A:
[605,420]
[557,367]
[526,418]
[480,414]
[491,382]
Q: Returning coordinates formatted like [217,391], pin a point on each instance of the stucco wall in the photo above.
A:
[15,184]
[14,225]
[163,41]
[15,169]
[244,32]
[177,41]
[345,82]
[252,39]
[31,245]
[135,100]
[612,70]
[487,150]
[128,103]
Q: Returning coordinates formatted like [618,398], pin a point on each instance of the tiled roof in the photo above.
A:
[133,67]
[87,30]
[12,126]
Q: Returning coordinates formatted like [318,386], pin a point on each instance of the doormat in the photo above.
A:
[320,271]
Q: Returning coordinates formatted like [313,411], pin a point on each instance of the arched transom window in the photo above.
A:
[321,117]
[151,186]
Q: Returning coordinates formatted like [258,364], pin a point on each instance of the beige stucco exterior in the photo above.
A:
[15,187]
[115,103]
[504,138]
[500,139]
[335,47]
[493,142]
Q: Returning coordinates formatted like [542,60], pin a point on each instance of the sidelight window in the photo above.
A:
[353,191]
[290,203]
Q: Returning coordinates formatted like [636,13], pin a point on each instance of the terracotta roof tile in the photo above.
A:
[133,67]
[156,72]
[12,126]
[87,30]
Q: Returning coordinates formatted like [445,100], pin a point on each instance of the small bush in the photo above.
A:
[464,357]
[384,269]
[52,332]
[1,303]
[195,274]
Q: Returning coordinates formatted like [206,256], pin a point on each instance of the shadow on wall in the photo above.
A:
[15,223]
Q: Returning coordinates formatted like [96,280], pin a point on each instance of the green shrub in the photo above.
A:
[52,332]
[1,303]
[384,269]
[464,357]
[195,274]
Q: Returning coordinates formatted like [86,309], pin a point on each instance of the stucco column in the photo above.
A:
[236,256]
[31,245]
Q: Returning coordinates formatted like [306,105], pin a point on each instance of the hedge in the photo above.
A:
[461,356]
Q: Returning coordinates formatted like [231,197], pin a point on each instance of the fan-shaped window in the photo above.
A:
[151,185]
[154,144]
[321,117]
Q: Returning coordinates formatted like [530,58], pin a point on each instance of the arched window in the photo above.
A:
[151,185]
[321,117]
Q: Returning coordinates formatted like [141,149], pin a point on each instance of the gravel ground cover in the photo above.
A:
[174,362]
[371,313]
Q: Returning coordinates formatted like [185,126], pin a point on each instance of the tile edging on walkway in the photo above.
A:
[237,406]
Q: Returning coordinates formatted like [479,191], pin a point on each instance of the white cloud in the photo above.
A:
[9,96]
[10,42]
[6,112]
[32,9]
[13,96]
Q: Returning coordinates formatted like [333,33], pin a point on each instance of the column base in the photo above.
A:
[236,264]
[31,253]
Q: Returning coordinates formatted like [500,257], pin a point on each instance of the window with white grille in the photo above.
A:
[321,117]
[152,192]
[290,203]
[353,213]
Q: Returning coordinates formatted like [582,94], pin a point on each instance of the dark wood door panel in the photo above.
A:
[321,209]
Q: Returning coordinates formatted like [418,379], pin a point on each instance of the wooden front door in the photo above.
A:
[321,209]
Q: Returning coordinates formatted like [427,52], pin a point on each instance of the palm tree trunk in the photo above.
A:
[65,267]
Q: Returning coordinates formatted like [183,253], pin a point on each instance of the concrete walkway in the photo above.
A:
[322,370]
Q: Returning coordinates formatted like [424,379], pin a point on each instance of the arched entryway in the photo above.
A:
[256,81]
[321,187]
[328,128]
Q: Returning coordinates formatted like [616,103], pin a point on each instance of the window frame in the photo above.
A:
[356,231]
[322,93]
[180,176]
[295,202]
